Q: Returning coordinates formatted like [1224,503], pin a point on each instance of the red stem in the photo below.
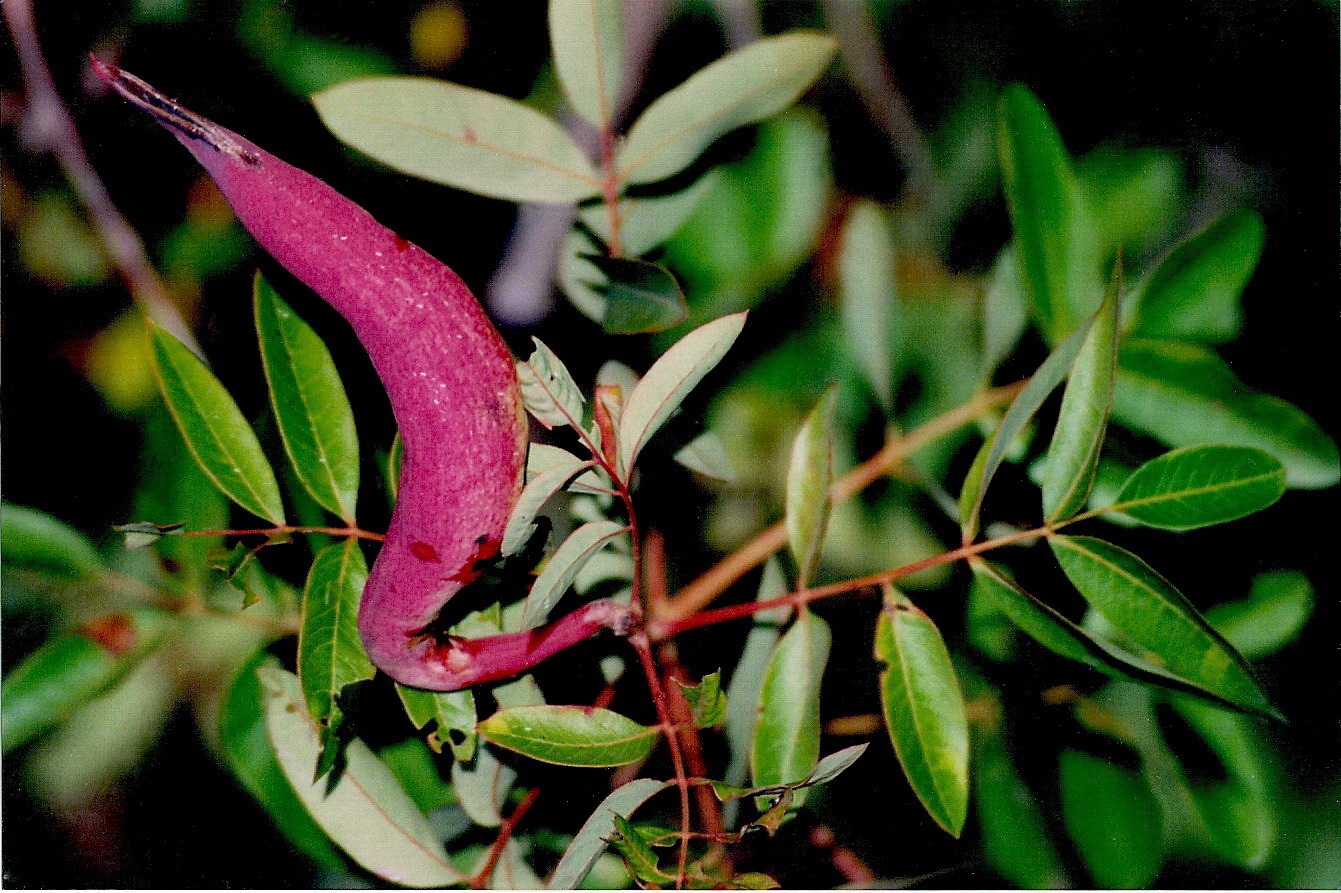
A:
[481,880]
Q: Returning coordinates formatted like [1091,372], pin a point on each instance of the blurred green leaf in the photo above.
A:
[866,278]
[587,37]
[924,711]
[459,136]
[1151,611]
[1113,818]
[706,455]
[1270,618]
[453,711]
[1200,486]
[366,811]
[707,702]
[33,540]
[548,389]
[747,85]
[1194,292]
[309,401]
[1005,311]
[809,476]
[1015,838]
[557,575]
[570,736]
[56,243]
[215,431]
[639,296]
[416,768]
[481,786]
[787,736]
[1135,195]
[589,842]
[1185,395]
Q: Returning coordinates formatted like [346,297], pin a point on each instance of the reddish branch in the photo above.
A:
[481,879]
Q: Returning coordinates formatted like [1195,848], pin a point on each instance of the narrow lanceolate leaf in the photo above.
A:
[1015,838]
[458,136]
[36,541]
[866,285]
[452,711]
[1042,383]
[1200,486]
[1185,395]
[542,457]
[1053,233]
[787,736]
[570,736]
[924,712]
[310,404]
[330,653]
[670,380]
[563,566]
[1073,455]
[1153,613]
[587,38]
[809,475]
[1194,292]
[481,785]
[366,812]
[745,86]
[1270,617]
[1114,819]
[829,768]
[538,490]
[548,389]
[217,435]
[589,842]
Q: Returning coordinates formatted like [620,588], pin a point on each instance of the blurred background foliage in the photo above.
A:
[1177,112]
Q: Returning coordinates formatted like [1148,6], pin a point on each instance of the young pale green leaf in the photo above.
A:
[330,652]
[1015,838]
[829,768]
[1114,819]
[809,476]
[1194,292]
[246,748]
[866,289]
[639,296]
[366,811]
[1005,311]
[217,435]
[548,389]
[1042,383]
[1200,486]
[924,712]
[33,540]
[481,785]
[587,40]
[1270,617]
[563,566]
[570,736]
[745,86]
[1185,395]
[459,136]
[589,842]
[706,455]
[786,739]
[1153,613]
[315,420]
[538,490]
[707,702]
[1053,231]
[669,381]
[1073,455]
[71,669]
[453,711]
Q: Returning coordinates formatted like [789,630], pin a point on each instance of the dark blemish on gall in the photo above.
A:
[423,551]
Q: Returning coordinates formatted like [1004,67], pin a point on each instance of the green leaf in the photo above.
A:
[548,389]
[924,711]
[1194,292]
[1053,230]
[1015,838]
[1073,455]
[33,540]
[570,736]
[71,669]
[542,458]
[453,711]
[1005,312]
[1270,617]
[310,404]
[587,37]
[669,381]
[246,749]
[217,435]
[1153,613]
[366,811]
[994,451]
[1185,395]
[1200,486]
[809,476]
[459,136]
[590,840]
[787,736]
[707,702]
[745,86]
[639,296]
[829,768]
[330,652]
[1114,819]
[706,455]
[563,566]
[539,490]
[866,277]
[481,785]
